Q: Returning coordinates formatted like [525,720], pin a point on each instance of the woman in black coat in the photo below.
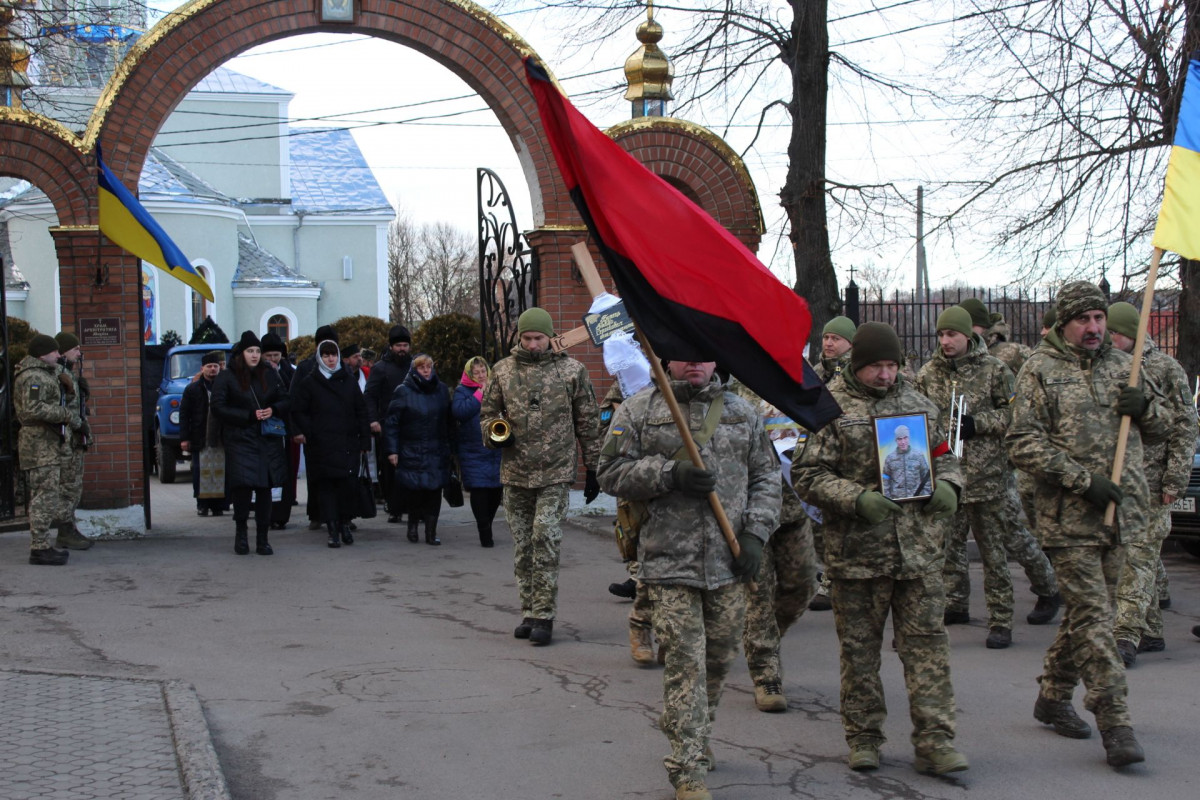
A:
[243,397]
[416,436]
[331,422]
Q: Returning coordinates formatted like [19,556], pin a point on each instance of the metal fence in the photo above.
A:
[915,316]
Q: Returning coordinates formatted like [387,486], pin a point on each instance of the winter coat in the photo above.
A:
[331,416]
[417,429]
[44,413]
[478,465]
[1013,354]
[193,413]
[1169,459]
[251,459]
[388,373]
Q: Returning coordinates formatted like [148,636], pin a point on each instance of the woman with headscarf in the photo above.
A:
[331,422]
[416,435]
[478,465]
[276,355]
[244,398]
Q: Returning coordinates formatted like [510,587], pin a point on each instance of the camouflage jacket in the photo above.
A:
[785,435]
[77,402]
[1013,354]
[829,368]
[680,542]
[1169,458]
[841,462]
[987,384]
[550,405]
[1064,428]
[43,412]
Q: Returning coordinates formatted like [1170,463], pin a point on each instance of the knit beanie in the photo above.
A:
[272,343]
[1049,317]
[1077,298]
[42,345]
[66,341]
[840,326]
[212,357]
[325,333]
[955,318]
[535,320]
[1123,319]
[978,311]
[350,350]
[248,340]
[874,341]
[399,333]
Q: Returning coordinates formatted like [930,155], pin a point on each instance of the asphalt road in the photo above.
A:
[388,670]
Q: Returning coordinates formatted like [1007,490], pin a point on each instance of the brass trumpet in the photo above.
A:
[500,432]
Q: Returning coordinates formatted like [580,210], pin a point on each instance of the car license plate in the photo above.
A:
[1185,504]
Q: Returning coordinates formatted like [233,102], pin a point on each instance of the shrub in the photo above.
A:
[450,339]
[301,348]
[364,331]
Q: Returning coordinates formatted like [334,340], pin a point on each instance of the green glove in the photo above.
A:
[750,558]
[944,502]
[1101,491]
[874,507]
[1132,402]
[692,480]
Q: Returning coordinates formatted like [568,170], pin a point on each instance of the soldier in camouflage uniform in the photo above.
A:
[71,360]
[1070,397]
[882,556]
[548,402]
[40,396]
[1168,466]
[995,333]
[699,605]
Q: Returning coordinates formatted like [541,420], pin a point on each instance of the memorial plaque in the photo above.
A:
[99,331]
[603,325]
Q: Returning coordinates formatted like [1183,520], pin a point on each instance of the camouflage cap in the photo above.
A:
[1123,319]
[1077,298]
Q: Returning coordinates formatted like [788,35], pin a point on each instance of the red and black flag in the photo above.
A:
[697,293]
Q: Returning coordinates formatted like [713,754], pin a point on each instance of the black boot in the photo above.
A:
[414,530]
[347,537]
[334,535]
[241,544]
[261,545]
[485,537]
[431,536]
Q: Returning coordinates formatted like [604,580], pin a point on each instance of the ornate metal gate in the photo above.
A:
[8,444]
[508,269]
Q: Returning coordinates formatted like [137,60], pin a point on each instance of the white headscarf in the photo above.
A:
[326,371]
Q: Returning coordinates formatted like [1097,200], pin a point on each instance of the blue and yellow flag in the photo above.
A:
[1178,228]
[129,225]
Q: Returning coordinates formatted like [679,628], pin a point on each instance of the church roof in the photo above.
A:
[225,80]
[13,279]
[165,178]
[258,268]
[330,175]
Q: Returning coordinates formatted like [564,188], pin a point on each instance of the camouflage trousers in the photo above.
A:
[72,482]
[47,503]
[699,628]
[786,582]
[1138,613]
[535,519]
[641,615]
[818,535]
[860,609]
[990,530]
[1085,647]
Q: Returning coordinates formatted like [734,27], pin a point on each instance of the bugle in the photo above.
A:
[500,432]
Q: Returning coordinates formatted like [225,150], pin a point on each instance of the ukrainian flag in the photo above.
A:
[129,225]
[1178,228]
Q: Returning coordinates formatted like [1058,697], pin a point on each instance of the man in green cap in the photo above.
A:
[70,357]
[996,334]
[1070,398]
[547,401]
[836,339]
[884,557]
[40,389]
[1168,466]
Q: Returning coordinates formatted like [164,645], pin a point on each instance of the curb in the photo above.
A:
[198,765]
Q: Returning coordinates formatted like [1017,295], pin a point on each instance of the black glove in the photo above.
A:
[967,429]
[591,487]
[1132,402]
[750,558]
[690,479]
[1102,491]
[874,507]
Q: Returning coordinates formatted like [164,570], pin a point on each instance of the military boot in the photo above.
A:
[1045,610]
[241,533]
[414,528]
[335,539]
[626,589]
[1128,652]
[863,757]
[523,630]
[769,697]
[998,638]
[541,632]
[48,557]
[941,760]
[69,537]
[693,789]
[1061,714]
[1121,748]
[640,646]
[1152,644]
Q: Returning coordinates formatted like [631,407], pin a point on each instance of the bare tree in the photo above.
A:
[402,247]
[431,270]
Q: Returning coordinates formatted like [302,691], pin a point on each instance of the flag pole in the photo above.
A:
[1135,371]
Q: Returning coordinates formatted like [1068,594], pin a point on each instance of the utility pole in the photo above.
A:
[922,268]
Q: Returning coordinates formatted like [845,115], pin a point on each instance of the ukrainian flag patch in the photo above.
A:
[618,430]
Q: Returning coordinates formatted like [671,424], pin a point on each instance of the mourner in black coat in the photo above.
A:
[416,439]
[193,428]
[388,373]
[275,353]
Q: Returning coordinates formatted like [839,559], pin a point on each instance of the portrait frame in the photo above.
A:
[898,487]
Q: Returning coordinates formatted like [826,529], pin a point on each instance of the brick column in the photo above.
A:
[98,279]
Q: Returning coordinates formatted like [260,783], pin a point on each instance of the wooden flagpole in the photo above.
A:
[1139,344]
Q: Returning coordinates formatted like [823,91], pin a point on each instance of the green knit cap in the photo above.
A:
[978,311]
[535,320]
[42,345]
[955,318]
[1123,319]
[874,341]
[840,326]
[66,341]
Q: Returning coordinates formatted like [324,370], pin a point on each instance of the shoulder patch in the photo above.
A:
[618,430]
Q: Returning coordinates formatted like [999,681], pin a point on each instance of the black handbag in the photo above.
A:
[452,491]
[271,426]
[364,497]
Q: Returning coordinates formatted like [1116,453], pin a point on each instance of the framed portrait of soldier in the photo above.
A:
[902,448]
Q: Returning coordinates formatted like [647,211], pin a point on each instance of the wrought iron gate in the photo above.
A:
[8,445]
[508,268]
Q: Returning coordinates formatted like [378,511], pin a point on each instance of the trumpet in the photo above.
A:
[958,407]
[500,433]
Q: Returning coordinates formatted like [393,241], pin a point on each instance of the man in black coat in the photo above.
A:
[193,428]
[303,370]
[388,373]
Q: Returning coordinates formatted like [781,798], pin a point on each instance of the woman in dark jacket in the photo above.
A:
[479,465]
[416,434]
[193,429]
[243,397]
[331,421]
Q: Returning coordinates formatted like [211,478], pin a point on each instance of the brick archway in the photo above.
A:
[48,156]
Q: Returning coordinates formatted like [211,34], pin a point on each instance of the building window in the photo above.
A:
[200,306]
[279,326]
